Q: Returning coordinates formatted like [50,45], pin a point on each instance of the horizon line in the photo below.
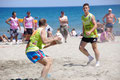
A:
[52,6]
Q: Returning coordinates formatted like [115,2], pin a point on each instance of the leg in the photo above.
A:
[65,36]
[1,37]
[111,30]
[97,54]
[16,38]
[28,37]
[11,38]
[5,37]
[47,62]
[84,51]
[82,48]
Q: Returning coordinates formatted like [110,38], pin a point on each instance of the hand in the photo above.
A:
[56,38]
[104,23]
[113,23]
[20,29]
[10,24]
[24,29]
[88,33]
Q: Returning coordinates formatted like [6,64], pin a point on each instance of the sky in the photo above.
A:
[54,3]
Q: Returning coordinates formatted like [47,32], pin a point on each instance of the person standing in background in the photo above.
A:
[63,25]
[109,20]
[29,26]
[14,24]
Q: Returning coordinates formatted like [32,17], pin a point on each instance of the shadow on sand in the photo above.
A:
[72,64]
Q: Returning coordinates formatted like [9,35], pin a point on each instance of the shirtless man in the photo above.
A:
[109,19]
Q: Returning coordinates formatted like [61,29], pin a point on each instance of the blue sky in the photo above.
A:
[53,3]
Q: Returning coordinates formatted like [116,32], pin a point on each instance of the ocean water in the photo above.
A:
[51,14]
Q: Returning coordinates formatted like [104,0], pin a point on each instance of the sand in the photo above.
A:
[69,63]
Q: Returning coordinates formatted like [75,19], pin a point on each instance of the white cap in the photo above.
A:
[109,9]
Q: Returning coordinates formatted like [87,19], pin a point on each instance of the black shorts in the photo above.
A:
[28,31]
[89,40]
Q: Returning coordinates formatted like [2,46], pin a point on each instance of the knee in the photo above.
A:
[49,61]
[94,48]
[81,48]
[3,35]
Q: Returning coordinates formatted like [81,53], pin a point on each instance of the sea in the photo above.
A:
[51,14]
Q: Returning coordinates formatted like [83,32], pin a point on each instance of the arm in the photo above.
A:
[94,27]
[19,25]
[106,38]
[103,19]
[33,24]
[7,21]
[24,24]
[83,28]
[115,19]
[46,40]
[64,21]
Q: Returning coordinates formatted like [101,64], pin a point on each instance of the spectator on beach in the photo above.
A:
[99,27]
[14,24]
[109,20]
[2,38]
[49,33]
[119,20]
[59,35]
[106,36]
[29,26]
[64,25]
[73,32]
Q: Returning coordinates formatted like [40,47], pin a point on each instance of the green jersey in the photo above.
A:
[88,25]
[35,41]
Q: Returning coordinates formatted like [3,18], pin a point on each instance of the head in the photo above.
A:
[73,29]
[62,13]
[42,22]
[58,30]
[98,21]
[109,10]
[48,29]
[14,14]
[8,31]
[28,14]
[107,29]
[86,8]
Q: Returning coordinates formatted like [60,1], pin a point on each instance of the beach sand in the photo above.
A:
[69,63]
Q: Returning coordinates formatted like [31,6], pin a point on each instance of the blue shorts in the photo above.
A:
[34,56]
[109,25]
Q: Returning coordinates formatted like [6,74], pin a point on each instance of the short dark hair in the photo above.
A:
[13,12]
[48,29]
[62,12]
[42,22]
[28,11]
[98,20]
[86,4]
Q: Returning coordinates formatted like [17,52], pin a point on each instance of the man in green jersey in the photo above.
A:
[37,42]
[89,34]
